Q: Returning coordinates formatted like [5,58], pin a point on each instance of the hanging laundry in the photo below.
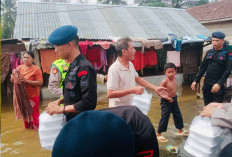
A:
[15,61]
[103,60]
[5,65]
[150,58]
[47,58]
[138,60]
[93,55]
[147,59]
[162,57]
[13,58]
[157,44]
[173,57]
[18,62]
[38,44]
[104,44]
[84,45]
[176,42]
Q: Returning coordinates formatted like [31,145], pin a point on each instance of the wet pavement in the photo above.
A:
[19,142]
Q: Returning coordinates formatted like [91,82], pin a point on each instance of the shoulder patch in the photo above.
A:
[82,73]
[54,70]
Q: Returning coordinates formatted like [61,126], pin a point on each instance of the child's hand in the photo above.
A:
[193,86]
[161,91]
[170,100]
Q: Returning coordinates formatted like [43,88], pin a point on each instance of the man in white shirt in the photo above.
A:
[122,77]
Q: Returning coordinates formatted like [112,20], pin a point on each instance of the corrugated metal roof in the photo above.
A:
[101,22]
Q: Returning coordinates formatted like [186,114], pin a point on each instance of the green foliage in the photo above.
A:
[201,2]
[154,4]
[6,33]
[177,3]
[151,3]
[8,16]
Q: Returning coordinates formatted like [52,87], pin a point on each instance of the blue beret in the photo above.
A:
[95,134]
[63,35]
[219,35]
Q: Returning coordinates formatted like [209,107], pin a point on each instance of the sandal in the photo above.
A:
[183,133]
[162,139]
[173,149]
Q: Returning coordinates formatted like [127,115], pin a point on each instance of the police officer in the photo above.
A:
[217,65]
[79,86]
[57,75]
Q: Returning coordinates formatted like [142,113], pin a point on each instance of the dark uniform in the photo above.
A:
[80,87]
[217,66]
[146,144]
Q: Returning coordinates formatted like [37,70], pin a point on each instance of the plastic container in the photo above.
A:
[48,120]
[197,152]
[202,149]
[143,102]
[202,127]
[210,142]
[49,128]
[46,132]
[204,139]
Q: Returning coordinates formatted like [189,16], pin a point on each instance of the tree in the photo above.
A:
[171,3]
[151,3]
[8,16]
[201,2]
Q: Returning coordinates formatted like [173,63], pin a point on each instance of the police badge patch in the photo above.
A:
[54,70]
[65,68]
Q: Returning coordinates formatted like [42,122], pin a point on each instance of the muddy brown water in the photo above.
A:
[19,142]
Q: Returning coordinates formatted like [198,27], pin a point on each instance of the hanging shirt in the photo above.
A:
[173,57]
[84,45]
[93,55]
[47,58]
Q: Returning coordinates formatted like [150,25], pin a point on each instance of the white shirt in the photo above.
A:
[120,78]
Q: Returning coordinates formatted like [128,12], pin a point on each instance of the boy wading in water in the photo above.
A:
[170,105]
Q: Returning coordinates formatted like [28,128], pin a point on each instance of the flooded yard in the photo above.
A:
[19,142]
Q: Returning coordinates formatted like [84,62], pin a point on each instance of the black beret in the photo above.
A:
[95,134]
[219,35]
[63,35]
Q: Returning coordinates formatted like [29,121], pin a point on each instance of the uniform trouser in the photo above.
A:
[212,97]
[166,109]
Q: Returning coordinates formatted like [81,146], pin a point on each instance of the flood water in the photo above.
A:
[19,142]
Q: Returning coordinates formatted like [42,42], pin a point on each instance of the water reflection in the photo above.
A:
[18,142]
